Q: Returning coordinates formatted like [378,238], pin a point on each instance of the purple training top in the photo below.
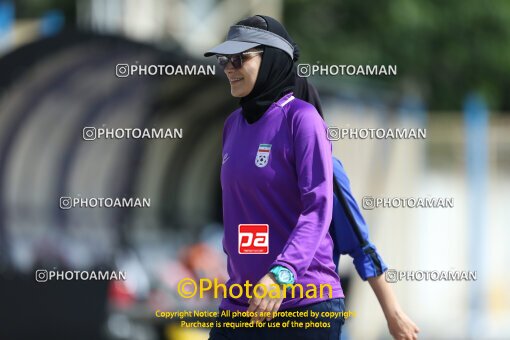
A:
[278,171]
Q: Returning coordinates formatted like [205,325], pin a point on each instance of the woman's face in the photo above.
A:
[242,80]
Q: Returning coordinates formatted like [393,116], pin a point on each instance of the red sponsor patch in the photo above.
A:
[253,238]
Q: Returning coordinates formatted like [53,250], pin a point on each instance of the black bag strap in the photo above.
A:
[355,227]
[352,221]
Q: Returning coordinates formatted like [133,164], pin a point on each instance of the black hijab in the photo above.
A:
[307,92]
[276,76]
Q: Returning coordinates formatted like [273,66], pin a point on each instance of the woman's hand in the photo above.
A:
[266,304]
[401,327]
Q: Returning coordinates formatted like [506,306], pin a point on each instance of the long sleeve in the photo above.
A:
[314,170]
[278,172]
[350,231]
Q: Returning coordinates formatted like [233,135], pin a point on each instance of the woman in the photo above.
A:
[350,236]
[276,172]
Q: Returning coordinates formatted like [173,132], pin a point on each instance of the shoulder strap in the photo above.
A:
[341,198]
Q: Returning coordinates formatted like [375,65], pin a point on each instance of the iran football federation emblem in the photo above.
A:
[262,155]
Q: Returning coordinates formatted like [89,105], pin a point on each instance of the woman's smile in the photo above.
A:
[235,80]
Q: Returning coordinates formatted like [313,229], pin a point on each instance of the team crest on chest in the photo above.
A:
[263,155]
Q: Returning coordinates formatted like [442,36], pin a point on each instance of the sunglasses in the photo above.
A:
[236,59]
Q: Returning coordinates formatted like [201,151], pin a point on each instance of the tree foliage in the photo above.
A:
[445,48]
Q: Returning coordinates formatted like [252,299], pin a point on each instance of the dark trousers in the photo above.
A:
[299,333]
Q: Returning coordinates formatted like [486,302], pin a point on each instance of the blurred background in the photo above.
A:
[57,75]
